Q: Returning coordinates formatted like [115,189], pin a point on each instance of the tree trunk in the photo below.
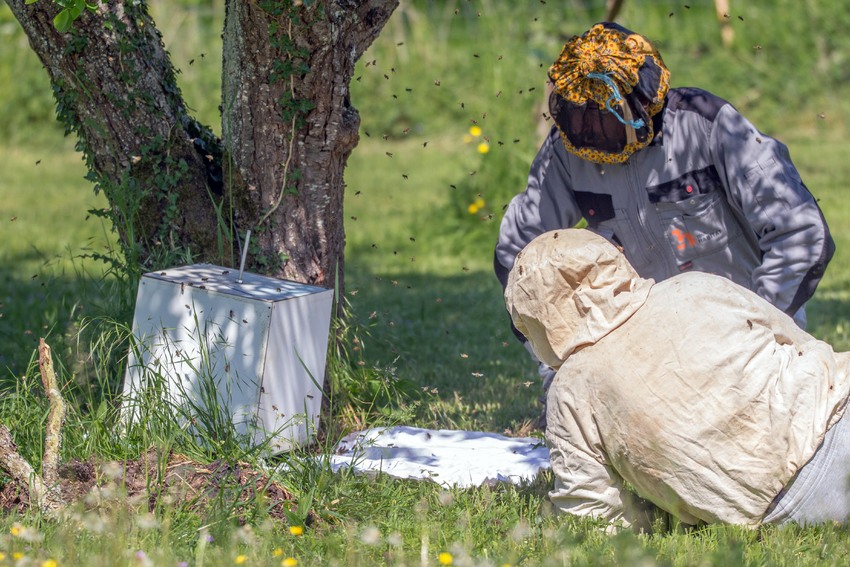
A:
[287,121]
[289,126]
[115,89]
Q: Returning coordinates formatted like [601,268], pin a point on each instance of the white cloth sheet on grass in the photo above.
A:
[451,458]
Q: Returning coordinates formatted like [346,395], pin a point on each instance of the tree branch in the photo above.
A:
[55,418]
[43,489]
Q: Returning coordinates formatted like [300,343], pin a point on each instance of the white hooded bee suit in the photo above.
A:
[696,391]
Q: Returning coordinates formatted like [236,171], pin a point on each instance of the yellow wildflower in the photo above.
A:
[240,559]
[475,131]
[49,563]
[483,148]
[289,562]
[277,552]
[467,138]
[17,555]
[472,209]
[296,530]
[15,530]
[2,556]
[479,202]
[445,558]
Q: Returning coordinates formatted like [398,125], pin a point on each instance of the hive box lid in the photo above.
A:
[218,279]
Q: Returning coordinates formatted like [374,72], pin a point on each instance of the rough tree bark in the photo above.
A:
[287,121]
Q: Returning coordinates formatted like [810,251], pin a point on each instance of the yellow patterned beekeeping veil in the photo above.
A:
[607,85]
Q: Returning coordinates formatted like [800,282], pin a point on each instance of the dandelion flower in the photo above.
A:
[445,558]
[17,555]
[49,563]
[289,562]
[483,148]
[15,530]
[475,131]
[296,530]
[277,552]
[479,202]
[2,556]
[240,559]
[472,208]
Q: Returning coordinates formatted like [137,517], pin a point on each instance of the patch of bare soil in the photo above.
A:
[153,477]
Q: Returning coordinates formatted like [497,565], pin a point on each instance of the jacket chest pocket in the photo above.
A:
[695,215]
[698,226]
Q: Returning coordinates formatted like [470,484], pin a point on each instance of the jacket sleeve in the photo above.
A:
[585,483]
[546,204]
[765,186]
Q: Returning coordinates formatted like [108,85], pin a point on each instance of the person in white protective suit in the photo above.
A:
[707,400]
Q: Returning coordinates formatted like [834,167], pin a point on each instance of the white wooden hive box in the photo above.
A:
[261,341]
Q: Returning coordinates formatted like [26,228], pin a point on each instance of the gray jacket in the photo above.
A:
[711,193]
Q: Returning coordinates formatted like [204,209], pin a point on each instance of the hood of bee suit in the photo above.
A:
[568,289]
[607,85]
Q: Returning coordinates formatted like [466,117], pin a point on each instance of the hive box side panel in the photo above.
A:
[291,396]
[207,348]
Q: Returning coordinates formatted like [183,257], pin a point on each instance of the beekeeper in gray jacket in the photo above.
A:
[695,392]
[675,177]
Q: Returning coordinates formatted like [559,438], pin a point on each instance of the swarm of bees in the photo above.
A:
[502,98]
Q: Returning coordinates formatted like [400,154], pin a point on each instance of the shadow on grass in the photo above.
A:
[447,335]
[450,336]
[829,320]
[49,305]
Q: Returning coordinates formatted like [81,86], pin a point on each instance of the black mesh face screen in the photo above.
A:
[589,126]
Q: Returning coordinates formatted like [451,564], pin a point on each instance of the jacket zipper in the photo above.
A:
[646,235]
